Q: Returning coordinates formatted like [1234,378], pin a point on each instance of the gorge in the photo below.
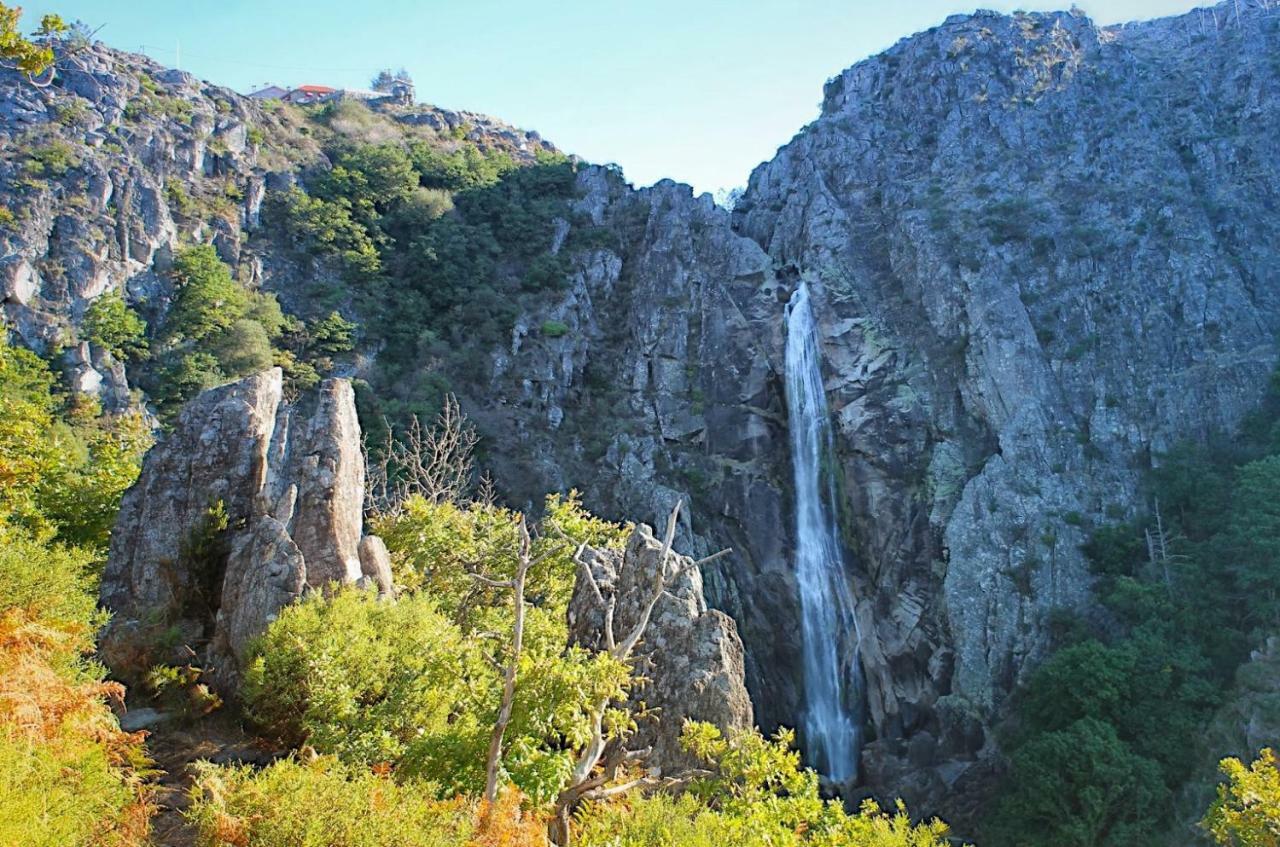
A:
[945,336]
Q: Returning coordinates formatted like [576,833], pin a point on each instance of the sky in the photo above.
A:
[700,91]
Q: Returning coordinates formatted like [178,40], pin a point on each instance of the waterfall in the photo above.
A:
[831,720]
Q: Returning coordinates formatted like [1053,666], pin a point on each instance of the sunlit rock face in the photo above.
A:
[1039,253]
[246,504]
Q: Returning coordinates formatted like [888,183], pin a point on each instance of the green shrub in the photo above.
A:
[756,795]
[1081,785]
[361,678]
[554,329]
[68,776]
[327,228]
[53,159]
[110,324]
[408,683]
[321,804]
[62,470]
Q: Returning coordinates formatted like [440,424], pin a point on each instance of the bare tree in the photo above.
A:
[493,764]
[435,463]
[1158,555]
[601,759]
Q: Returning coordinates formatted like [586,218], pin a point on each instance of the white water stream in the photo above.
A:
[831,721]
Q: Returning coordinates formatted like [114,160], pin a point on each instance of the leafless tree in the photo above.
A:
[1158,555]
[603,757]
[435,463]
[493,764]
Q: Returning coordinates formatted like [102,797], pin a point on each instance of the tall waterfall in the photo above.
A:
[832,673]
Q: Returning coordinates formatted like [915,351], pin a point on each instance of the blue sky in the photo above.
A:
[697,90]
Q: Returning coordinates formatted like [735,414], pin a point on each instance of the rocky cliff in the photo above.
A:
[1041,252]
[248,502]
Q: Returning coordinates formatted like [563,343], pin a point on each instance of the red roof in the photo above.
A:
[315,89]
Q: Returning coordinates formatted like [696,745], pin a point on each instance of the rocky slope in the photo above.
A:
[1042,252]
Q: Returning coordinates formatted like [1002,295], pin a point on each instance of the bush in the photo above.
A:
[360,678]
[554,329]
[321,804]
[110,324]
[327,228]
[68,775]
[1081,785]
[757,795]
[1247,811]
[408,684]
[61,473]
[466,167]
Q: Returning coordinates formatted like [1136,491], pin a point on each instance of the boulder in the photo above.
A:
[690,656]
[248,503]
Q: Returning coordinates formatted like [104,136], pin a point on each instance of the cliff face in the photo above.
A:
[1041,252]
[1047,252]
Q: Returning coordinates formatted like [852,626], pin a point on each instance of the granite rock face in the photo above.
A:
[1041,252]
[690,654]
[246,504]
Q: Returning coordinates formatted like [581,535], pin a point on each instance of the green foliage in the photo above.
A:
[54,159]
[463,168]
[756,795]
[323,803]
[360,678]
[208,299]
[63,468]
[216,330]
[1191,589]
[1081,786]
[408,683]
[109,323]
[68,775]
[370,178]
[327,228]
[32,58]
[1247,810]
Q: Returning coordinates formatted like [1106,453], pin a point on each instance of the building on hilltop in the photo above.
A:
[269,92]
[309,94]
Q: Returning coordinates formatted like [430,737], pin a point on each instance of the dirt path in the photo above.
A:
[174,744]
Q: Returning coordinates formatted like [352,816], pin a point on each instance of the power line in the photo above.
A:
[147,49]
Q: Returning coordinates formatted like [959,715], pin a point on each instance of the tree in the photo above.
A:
[435,463]
[22,53]
[599,762]
[1247,811]
[1080,787]
[109,323]
[1253,540]
[386,80]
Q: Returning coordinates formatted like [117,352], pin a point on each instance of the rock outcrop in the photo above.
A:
[1041,252]
[691,656]
[246,504]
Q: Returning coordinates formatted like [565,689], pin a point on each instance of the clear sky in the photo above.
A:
[697,90]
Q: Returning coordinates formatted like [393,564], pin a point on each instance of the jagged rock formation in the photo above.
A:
[690,655]
[1041,252]
[249,502]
